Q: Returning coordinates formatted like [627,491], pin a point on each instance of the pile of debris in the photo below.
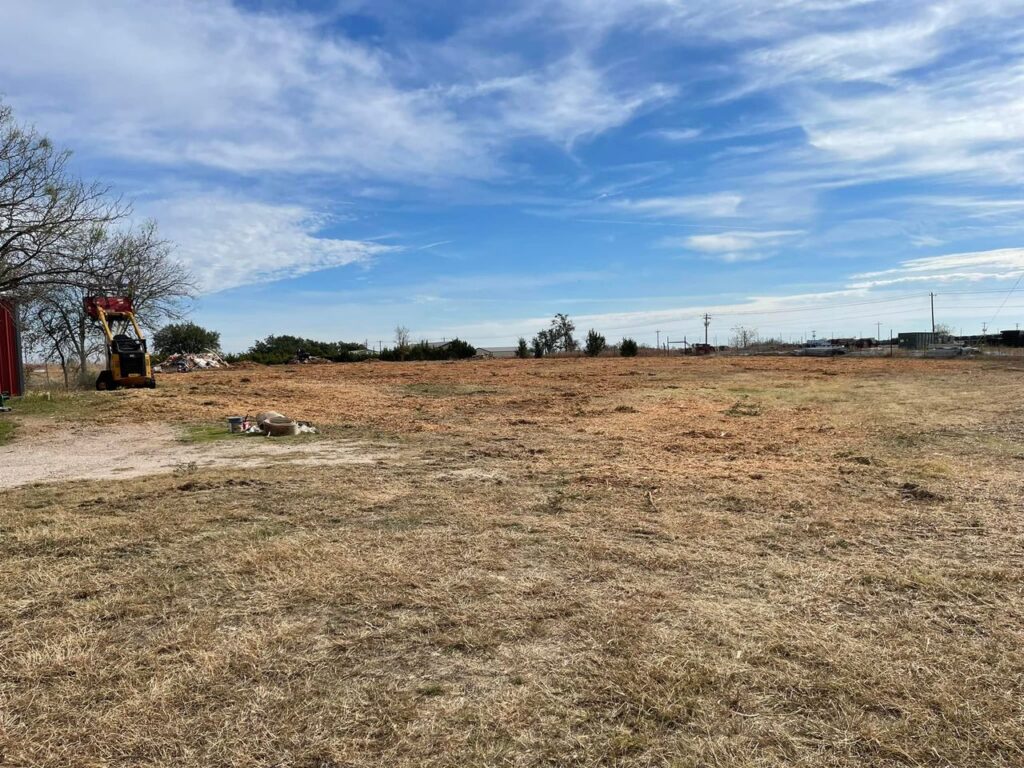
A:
[185,363]
[271,424]
[308,360]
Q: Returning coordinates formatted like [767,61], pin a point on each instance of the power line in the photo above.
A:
[758,312]
[835,305]
[1007,298]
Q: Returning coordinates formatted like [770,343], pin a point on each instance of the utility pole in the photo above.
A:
[932,297]
[707,322]
[878,333]
[659,340]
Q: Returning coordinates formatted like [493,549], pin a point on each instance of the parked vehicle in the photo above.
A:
[819,348]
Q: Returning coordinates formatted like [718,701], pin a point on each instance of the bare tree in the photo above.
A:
[743,337]
[135,263]
[47,217]
[401,337]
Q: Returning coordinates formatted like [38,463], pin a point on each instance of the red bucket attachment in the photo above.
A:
[109,304]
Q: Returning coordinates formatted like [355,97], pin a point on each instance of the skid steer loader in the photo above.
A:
[128,363]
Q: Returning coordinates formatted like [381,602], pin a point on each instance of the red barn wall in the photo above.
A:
[12,378]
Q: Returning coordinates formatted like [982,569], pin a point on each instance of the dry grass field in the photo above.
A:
[647,562]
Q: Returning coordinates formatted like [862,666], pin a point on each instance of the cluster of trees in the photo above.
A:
[278,349]
[62,239]
[558,337]
[456,349]
[275,350]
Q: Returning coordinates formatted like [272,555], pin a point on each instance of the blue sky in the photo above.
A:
[334,169]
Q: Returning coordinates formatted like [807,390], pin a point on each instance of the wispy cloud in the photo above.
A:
[219,86]
[726,242]
[229,243]
[866,54]
[678,134]
[563,103]
[719,205]
[999,264]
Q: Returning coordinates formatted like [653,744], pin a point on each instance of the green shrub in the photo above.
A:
[595,343]
[185,338]
[627,348]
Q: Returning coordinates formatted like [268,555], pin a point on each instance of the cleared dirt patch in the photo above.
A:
[50,453]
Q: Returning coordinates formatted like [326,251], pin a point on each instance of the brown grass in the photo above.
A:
[579,562]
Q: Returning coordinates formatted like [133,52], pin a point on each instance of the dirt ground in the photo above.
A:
[687,562]
[68,451]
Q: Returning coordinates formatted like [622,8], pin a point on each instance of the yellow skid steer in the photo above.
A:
[128,363]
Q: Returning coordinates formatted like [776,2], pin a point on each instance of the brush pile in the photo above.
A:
[186,363]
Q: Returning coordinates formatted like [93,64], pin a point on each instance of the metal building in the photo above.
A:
[917,340]
[12,371]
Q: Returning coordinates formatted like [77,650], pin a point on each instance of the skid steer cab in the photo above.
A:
[128,363]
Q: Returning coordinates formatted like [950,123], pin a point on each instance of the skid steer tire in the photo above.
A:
[105,381]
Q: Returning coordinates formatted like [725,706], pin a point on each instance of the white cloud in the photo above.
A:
[719,205]
[678,134]
[229,243]
[729,20]
[735,257]
[731,242]
[999,264]
[562,103]
[973,128]
[962,116]
[215,85]
[867,54]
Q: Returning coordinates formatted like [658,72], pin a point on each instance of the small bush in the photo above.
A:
[595,343]
[628,348]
